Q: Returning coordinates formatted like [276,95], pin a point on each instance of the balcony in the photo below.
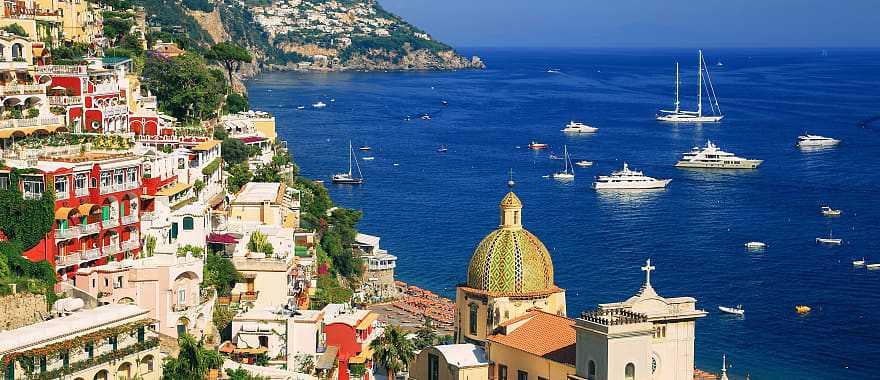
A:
[115,110]
[35,122]
[177,308]
[30,195]
[59,195]
[110,249]
[106,88]
[110,223]
[67,260]
[67,233]
[91,228]
[131,244]
[61,69]
[64,100]
[81,192]
[91,254]
[13,65]
[148,215]
[129,219]
[22,89]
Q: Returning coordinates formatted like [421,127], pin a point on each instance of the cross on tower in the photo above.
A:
[648,268]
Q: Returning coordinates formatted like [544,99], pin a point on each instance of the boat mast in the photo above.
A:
[565,156]
[350,153]
[700,85]
[677,101]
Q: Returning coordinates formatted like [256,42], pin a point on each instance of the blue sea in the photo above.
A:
[431,209]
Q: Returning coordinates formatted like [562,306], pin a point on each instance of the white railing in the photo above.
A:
[35,122]
[106,88]
[62,195]
[129,219]
[114,110]
[148,215]
[131,244]
[22,89]
[91,228]
[131,185]
[110,223]
[81,192]
[68,233]
[64,100]
[13,65]
[67,260]
[32,195]
[91,254]
[110,249]
[61,69]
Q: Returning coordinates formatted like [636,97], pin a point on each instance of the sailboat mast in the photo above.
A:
[350,153]
[700,85]
[677,101]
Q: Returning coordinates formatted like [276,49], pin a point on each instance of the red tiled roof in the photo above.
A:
[542,334]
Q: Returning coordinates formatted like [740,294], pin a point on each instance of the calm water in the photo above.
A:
[432,209]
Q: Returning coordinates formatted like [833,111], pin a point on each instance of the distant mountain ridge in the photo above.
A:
[332,35]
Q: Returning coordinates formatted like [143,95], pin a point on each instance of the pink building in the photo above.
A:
[167,285]
[350,332]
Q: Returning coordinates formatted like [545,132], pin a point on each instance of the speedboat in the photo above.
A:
[536,145]
[553,71]
[711,157]
[443,102]
[859,263]
[738,310]
[802,309]
[584,163]
[756,245]
[319,105]
[301,107]
[628,179]
[575,127]
[426,117]
[442,149]
[828,211]
[875,266]
[829,240]
[364,148]
[812,141]
[369,158]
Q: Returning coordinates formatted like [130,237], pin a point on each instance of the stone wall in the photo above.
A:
[21,309]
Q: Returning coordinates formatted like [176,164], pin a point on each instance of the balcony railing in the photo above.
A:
[106,88]
[68,260]
[30,195]
[35,122]
[13,65]
[61,69]
[91,254]
[129,219]
[91,228]
[110,249]
[22,89]
[115,110]
[179,307]
[67,233]
[81,192]
[110,223]
[62,195]
[131,245]
[148,215]
[64,100]
[117,187]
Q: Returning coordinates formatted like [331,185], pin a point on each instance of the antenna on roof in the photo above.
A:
[510,182]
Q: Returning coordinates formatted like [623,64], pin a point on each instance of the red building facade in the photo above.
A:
[352,333]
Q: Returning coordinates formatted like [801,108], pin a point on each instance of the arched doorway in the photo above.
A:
[124,371]
[182,325]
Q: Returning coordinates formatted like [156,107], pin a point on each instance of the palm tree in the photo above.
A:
[393,351]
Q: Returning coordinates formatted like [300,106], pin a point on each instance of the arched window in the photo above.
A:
[187,223]
[473,319]
[591,370]
[16,51]
[629,373]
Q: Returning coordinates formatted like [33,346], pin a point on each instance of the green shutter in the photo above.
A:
[174,230]
[62,224]
[105,213]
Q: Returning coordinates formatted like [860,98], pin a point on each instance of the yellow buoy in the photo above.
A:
[802,309]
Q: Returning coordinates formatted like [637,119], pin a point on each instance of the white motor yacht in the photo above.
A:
[828,211]
[319,105]
[628,179]
[756,245]
[711,157]
[584,163]
[678,115]
[859,262]
[575,127]
[830,240]
[813,141]
[873,266]
[738,310]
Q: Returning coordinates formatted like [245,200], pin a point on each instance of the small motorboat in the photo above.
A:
[333,100]
[584,163]
[859,263]
[301,107]
[756,245]
[553,71]
[319,105]
[829,241]
[443,102]
[802,309]
[738,310]
[828,211]
[364,148]
[554,157]
[537,146]
[442,149]
[370,158]
[426,117]
[874,266]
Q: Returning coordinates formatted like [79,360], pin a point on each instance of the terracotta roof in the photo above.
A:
[542,334]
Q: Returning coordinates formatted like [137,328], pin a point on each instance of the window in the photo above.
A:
[141,332]
[130,175]
[181,296]
[522,375]
[10,370]
[105,213]
[629,373]
[65,358]
[114,342]
[173,233]
[502,372]
[33,185]
[94,282]
[94,182]
[42,364]
[61,185]
[659,331]
[433,367]
[4,181]
[81,180]
[118,283]
[264,341]
[187,223]
[105,179]
[473,319]
[106,282]
[591,370]
[90,350]
[118,176]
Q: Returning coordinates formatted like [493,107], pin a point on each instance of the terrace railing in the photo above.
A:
[64,100]
[91,228]
[68,233]
[35,122]
[62,69]
[22,89]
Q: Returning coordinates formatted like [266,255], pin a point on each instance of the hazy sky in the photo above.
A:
[646,23]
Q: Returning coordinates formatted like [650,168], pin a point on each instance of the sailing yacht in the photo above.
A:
[680,116]
[349,178]
[567,172]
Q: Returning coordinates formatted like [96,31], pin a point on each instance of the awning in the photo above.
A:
[328,359]
[253,139]
[146,196]
[367,321]
[222,239]
[362,357]
[173,190]
[86,208]
[227,347]
[251,351]
[206,145]
[63,213]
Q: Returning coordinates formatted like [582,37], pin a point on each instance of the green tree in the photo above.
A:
[241,374]
[234,151]
[426,336]
[236,103]
[393,350]
[15,29]
[239,175]
[186,87]
[220,274]
[116,28]
[192,362]
[229,55]
[259,242]
[150,245]
[198,186]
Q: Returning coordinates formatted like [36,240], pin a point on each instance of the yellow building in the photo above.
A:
[450,362]
[509,274]
[76,17]
[537,345]
[266,203]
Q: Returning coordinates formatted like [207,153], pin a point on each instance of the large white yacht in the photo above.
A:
[576,127]
[628,179]
[711,157]
[812,141]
